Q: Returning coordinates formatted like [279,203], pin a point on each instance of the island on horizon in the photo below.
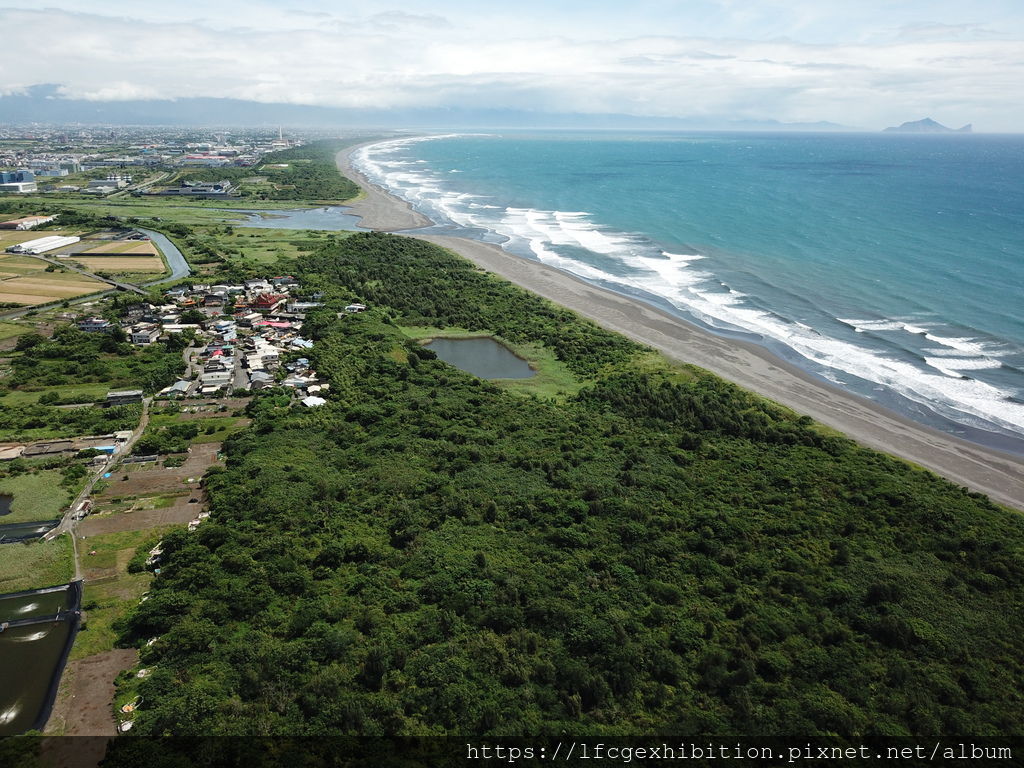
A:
[926,125]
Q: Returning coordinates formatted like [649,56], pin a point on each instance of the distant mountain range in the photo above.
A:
[927,125]
[44,104]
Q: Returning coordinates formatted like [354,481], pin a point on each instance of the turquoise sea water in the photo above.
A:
[892,266]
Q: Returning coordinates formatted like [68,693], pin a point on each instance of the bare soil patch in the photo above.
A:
[84,708]
[179,513]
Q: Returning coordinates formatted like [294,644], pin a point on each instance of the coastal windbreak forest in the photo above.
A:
[660,553]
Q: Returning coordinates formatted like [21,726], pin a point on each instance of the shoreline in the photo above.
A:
[377,209]
[995,473]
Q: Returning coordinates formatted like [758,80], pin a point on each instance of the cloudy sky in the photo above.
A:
[868,63]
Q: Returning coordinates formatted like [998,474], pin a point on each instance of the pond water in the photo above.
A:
[328,217]
[483,357]
[30,656]
[36,629]
[5,503]
[35,604]
[22,531]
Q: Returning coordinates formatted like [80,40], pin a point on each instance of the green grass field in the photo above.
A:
[265,246]
[214,429]
[35,564]
[87,393]
[109,598]
[37,496]
[10,330]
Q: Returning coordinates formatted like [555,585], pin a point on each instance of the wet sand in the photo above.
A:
[999,475]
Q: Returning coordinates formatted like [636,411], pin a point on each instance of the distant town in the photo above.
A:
[105,161]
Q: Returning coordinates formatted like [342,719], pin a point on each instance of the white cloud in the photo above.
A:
[397,59]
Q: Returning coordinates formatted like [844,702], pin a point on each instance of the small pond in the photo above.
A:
[329,217]
[483,357]
[5,503]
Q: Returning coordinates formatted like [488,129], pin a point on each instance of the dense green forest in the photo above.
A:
[71,357]
[663,553]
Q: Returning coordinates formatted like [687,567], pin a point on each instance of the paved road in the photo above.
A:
[68,523]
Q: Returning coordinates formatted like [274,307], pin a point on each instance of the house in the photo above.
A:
[213,299]
[137,311]
[123,397]
[258,286]
[179,327]
[260,380]
[217,346]
[144,334]
[219,364]
[213,381]
[351,308]
[298,382]
[268,302]
[177,389]
[94,325]
[313,401]
[284,282]
[301,307]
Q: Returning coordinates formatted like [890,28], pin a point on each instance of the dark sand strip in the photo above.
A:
[999,475]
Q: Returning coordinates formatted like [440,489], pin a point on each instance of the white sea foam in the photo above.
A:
[966,345]
[683,280]
[861,326]
[962,363]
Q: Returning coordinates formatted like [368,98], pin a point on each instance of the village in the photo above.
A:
[135,484]
[241,336]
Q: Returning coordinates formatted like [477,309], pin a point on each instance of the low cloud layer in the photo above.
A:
[954,73]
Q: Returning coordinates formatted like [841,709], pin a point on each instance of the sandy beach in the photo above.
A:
[999,475]
[377,209]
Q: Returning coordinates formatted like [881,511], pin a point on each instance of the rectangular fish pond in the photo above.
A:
[481,356]
[12,532]
[37,629]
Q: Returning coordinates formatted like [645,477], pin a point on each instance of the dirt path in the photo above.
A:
[85,710]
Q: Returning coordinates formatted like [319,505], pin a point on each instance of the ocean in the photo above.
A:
[888,265]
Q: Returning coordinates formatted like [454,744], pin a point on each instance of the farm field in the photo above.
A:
[117,247]
[121,263]
[14,264]
[46,287]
